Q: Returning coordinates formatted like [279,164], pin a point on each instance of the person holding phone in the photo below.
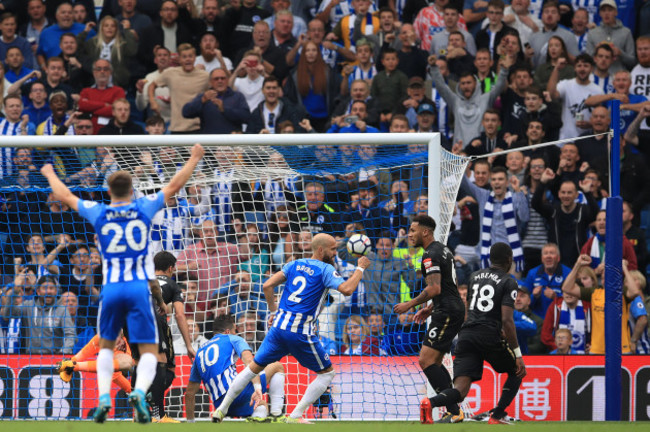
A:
[247,78]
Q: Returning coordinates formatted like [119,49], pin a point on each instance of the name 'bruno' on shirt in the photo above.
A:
[306,269]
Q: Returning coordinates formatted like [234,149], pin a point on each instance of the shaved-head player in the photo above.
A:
[307,282]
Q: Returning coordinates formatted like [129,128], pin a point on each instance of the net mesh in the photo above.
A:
[246,211]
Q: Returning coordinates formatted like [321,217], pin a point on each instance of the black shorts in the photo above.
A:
[476,345]
[443,329]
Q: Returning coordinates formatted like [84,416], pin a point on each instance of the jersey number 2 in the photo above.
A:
[127,232]
[301,283]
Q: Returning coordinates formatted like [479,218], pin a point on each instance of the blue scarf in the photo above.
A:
[510,221]
[594,252]
[577,323]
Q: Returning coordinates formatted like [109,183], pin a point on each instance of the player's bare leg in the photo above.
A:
[431,364]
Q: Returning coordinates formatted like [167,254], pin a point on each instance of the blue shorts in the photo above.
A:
[307,349]
[127,304]
[241,406]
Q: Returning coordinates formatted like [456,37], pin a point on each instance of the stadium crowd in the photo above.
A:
[487,75]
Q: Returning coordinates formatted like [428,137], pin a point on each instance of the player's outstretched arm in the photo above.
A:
[182,176]
[60,190]
[348,287]
[430,291]
[190,399]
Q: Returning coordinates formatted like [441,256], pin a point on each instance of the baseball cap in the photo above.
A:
[610,3]
[426,107]
[416,81]
[521,287]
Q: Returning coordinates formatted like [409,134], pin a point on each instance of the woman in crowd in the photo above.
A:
[556,50]
[357,339]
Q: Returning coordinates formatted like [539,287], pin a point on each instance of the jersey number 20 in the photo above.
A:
[118,232]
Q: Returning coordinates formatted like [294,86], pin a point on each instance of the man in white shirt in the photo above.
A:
[518,17]
[641,72]
[162,59]
[574,92]
[211,58]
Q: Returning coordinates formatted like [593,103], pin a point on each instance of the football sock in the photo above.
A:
[261,412]
[276,393]
[104,370]
[157,390]
[440,380]
[122,382]
[313,392]
[446,398]
[146,371]
[508,394]
[236,387]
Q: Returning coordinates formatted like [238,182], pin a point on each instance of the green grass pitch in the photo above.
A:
[327,426]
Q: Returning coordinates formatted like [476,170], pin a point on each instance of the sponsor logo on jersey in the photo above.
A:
[89,204]
[427,263]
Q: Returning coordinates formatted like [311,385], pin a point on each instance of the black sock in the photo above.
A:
[440,381]
[157,390]
[446,398]
[508,394]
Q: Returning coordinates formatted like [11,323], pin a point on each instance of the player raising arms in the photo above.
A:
[492,299]
[215,366]
[447,311]
[306,285]
[123,231]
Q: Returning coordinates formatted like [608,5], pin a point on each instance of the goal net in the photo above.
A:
[252,205]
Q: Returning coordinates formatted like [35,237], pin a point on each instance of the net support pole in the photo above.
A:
[433,187]
[614,277]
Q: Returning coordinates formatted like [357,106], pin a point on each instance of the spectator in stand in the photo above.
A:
[556,49]
[592,149]
[359,23]
[491,139]
[55,335]
[171,32]
[257,260]
[211,57]
[364,69]
[357,339]
[83,125]
[546,112]
[214,261]
[130,17]
[239,22]
[36,22]
[458,59]
[595,247]
[331,12]
[430,20]
[58,104]
[38,108]
[162,59]
[14,124]
[631,104]
[635,235]
[544,282]
[568,313]
[574,93]
[484,72]
[8,28]
[516,166]
[243,294]
[48,43]
[522,304]
[389,28]
[221,109]
[353,123]
[85,331]
[53,79]
[638,321]
[412,59]
[210,19]
[16,71]
[121,123]
[562,343]
[468,103]
[580,28]
[503,213]
[312,86]
[612,32]
[389,85]
[248,78]
[273,110]
[45,263]
[550,20]
[298,25]
[75,76]
[317,214]
[272,57]
[569,220]
[440,41]
[582,282]
[536,233]
[79,277]
[98,99]
[281,26]
[247,328]
[519,17]
[490,37]
[112,44]
[524,325]
[184,83]
[603,60]
[359,90]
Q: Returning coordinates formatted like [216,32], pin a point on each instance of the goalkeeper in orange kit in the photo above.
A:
[122,361]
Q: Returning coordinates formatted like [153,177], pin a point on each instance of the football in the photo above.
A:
[359,245]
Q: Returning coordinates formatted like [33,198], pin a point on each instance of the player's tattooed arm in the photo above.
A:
[156,293]
[430,291]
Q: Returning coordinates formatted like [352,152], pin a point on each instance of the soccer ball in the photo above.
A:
[359,245]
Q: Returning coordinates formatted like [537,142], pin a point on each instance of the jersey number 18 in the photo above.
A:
[482,298]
